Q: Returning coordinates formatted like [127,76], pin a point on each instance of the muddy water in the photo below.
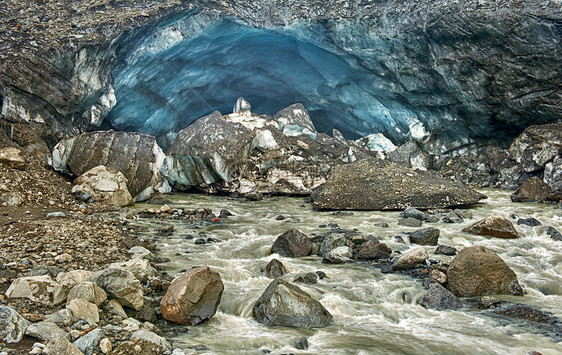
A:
[374,313]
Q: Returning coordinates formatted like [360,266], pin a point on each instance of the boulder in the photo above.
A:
[193,297]
[147,335]
[141,268]
[295,121]
[36,288]
[140,252]
[66,281]
[478,271]
[120,284]
[104,185]
[275,268]
[45,330]
[284,304]
[411,155]
[308,278]
[87,291]
[292,243]
[12,157]
[137,156]
[493,226]
[331,242]
[531,222]
[445,250]
[59,344]
[425,236]
[371,184]
[411,212]
[411,259]
[85,310]
[373,250]
[553,177]
[12,325]
[439,298]
[90,342]
[532,190]
[537,146]
[339,255]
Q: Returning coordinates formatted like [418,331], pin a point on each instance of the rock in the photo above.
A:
[554,234]
[12,198]
[478,271]
[553,176]
[87,291]
[301,344]
[438,276]
[331,242]
[295,120]
[89,343]
[532,190]
[137,156]
[59,344]
[147,335]
[12,325]
[409,222]
[85,310]
[411,212]
[36,288]
[140,252]
[44,331]
[493,226]
[425,236]
[66,281]
[339,255]
[12,157]
[464,214]
[275,268]
[121,285]
[284,304]
[241,105]
[531,222]
[159,199]
[55,214]
[537,146]
[373,250]
[439,298]
[114,307]
[105,345]
[105,185]
[193,297]
[63,317]
[309,278]
[453,217]
[146,313]
[411,155]
[292,243]
[381,185]
[445,250]
[139,346]
[411,259]
[254,196]
[140,268]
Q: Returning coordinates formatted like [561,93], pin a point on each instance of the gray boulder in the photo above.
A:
[104,185]
[371,184]
[292,243]
[120,284]
[36,288]
[537,146]
[284,304]
[45,330]
[425,236]
[439,298]
[411,212]
[331,242]
[275,268]
[339,255]
[12,325]
[478,271]
[411,155]
[152,337]
[90,342]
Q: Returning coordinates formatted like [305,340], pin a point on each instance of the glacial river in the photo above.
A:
[374,313]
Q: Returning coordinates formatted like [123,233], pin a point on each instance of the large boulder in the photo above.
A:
[411,259]
[537,146]
[36,288]
[45,330]
[120,284]
[532,190]
[89,343]
[141,268]
[12,157]
[372,184]
[88,291]
[493,226]
[478,271]
[66,281]
[59,344]
[12,325]
[425,236]
[82,309]
[193,297]
[373,250]
[275,268]
[105,185]
[439,298]
[292,243]
[137,156]
[284,304]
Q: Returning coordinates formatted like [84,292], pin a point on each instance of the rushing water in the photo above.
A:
[374,313]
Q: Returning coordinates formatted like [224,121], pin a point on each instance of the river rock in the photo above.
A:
[373,250]
[36,288]
[331,242]
[308,278]
[284,304]
[89,343]
[411,259]
[292,243]
[439,298]
[105,185]
[531,222]
[105,345]
[120,284]
[12,157]
[140,252]
[66,281]
[141,268]
[12,325]
[193,297]
[45,330]
[114,307]
[553,233]
[493,226]
[478,271]
[425,236]
[411,212]
[87,291]
[409,222]
[339,255]
[85,310]
[137,156]
[371,184]
[532,190]
[275,268]
[147,335]
[59,344]
[445,250]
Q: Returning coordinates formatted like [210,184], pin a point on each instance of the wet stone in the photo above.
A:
[409,222]
[531,222]
[445,250]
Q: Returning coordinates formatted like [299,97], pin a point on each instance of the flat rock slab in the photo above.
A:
[372,184]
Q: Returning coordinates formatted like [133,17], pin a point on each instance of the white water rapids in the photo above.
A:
[374,313]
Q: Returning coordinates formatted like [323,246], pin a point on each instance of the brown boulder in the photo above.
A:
[372,249]
[13,157]
[292,243]
[478,271]
[493,226]
[193,297]
[532,190]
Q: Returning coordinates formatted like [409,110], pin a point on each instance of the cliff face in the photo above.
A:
[460,70]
